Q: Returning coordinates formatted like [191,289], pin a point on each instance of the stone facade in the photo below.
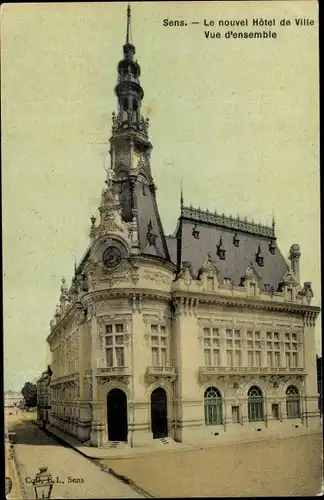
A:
[204,332]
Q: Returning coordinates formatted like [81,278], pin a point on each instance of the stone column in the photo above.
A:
[96,428]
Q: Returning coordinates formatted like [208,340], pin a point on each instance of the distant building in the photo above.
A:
[12,398]
[43,397]
[205,332]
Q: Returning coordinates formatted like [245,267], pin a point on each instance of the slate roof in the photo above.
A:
[237,259]
[147,212]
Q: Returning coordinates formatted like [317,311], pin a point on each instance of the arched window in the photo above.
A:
[292,402]
[213,407]
[255,404]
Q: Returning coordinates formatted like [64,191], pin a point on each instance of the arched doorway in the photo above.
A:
[159,413]
[117,415]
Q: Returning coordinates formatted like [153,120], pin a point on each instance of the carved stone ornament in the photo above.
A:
[209,267]
[157,276]
[186,273]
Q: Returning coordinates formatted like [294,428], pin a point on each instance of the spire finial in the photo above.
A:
[273,221]
[181,195]
[128,31]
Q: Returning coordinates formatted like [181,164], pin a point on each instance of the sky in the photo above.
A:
[236,119]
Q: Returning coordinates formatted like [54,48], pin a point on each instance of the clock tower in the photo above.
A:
[130,152]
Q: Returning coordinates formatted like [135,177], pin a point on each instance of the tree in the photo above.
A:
[29,391]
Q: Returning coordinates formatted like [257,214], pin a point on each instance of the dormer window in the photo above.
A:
[236,241]
[195,232]
[259,258]
[220,250]
[150,236]
[272,247]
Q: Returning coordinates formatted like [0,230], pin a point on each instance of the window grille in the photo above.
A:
[213,407]
[255,404]
[292,402]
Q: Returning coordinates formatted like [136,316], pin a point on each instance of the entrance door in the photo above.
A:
[159,413]
[117,415]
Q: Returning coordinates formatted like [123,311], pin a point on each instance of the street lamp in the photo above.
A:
[43,484]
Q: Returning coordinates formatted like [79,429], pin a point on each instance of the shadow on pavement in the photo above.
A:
[28,433]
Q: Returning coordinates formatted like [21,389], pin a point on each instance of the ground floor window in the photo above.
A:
[213,407]
[275,412]
[255,404]
[292,402]
[235,414]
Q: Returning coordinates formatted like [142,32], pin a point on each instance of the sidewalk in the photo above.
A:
[159,448]
[11,472]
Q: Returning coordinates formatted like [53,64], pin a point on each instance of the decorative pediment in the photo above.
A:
[250,274]
[208,268]
[288,279]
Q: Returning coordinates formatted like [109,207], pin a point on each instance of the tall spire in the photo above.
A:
[181,196]
[129,26]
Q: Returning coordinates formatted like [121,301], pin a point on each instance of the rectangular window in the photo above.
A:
[250,358]
[207,354]
[108,329]
[237,334]
[257,335]
[207,332]
[257,358]
[294,346]
[109,357]
[215,357]
[294,337]
[270,361]
[276,335]
[229,333]
[154,329]
[207,342]
[162,330]
[288,359]
[216,342]
[155,356]
[269,335]
[235,414]
[252,288]
[119,328]
[294,359]
[275,411]
[163,341]
[276,346]
[237,358]
[230,358]
[257,344]
[250,343]
[229,343]
[119,339]
[269,345]
[249,334]
[163,357]
[287,336]
[155,340]
[277,359]
[215,332]
[210,284]
[120,356]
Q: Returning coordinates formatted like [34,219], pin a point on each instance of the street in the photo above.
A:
[74,475]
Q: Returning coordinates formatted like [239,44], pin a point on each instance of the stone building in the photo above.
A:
[44,397]
[200,333]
